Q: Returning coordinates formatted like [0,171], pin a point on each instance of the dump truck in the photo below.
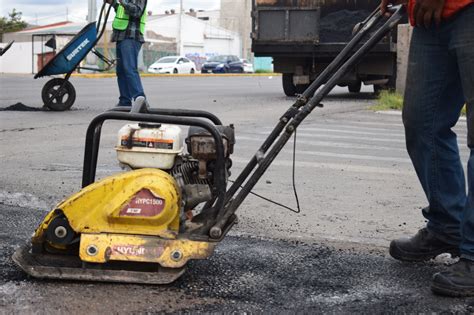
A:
[304,36]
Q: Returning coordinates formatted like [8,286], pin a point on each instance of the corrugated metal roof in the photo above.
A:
[61,27]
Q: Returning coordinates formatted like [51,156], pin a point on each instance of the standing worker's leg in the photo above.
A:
[463,45]
[125,98]
[458,280]
[467,244]
[130,49]
[433,102]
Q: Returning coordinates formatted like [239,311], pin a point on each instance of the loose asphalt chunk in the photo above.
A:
[246,274]
[20,107]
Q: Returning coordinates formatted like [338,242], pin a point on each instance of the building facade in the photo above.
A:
[168,34]
[236,16]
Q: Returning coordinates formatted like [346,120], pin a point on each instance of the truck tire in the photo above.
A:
[288,86]
[355,87]
[301,88]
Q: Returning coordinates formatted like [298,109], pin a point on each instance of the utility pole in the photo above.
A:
[180,30]
[92,11]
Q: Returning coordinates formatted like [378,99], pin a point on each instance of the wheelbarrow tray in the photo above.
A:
[72,54]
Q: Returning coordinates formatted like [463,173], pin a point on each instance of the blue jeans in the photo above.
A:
[440,81]
[130,85]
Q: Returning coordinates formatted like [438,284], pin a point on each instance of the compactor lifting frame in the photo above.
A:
[218,215]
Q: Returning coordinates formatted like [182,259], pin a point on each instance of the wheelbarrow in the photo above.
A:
[59,94]
[4,49]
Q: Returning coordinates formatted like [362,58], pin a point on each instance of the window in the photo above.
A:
[167,60]
[218,59]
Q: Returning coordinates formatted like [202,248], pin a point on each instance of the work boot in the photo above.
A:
[457,281]
[421,247]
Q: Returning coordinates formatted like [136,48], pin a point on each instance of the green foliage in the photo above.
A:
[393,101]
[262,71]
[12,23]
[389,101]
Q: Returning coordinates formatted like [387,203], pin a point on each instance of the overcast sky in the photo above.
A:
[49,11]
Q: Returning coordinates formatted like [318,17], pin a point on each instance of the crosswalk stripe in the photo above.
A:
[333,166]
[344,126]
[343,145]
[347,156]
[400,135]
[461,123]
[326,136]
[354,156]
[334,130]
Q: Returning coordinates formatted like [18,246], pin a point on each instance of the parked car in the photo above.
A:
[173,64]
[223,64]
[248,67]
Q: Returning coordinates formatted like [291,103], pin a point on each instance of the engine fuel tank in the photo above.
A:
[149,145]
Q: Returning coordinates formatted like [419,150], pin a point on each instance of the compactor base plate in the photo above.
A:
[69,267]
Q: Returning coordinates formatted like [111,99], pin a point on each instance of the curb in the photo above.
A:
[196,75]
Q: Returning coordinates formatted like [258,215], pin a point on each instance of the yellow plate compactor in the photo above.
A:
[145,225]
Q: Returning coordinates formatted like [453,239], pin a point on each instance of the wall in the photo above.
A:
[263,64]
[18,58]
[213,17]
[236,16]
[200,39]
[193,29]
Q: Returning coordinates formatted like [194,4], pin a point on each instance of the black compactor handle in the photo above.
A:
[372,33]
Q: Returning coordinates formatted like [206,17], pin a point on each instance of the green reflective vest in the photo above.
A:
[122,19]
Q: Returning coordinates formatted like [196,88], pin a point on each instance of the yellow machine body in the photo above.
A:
[129,217]
[166,253]
[104,207]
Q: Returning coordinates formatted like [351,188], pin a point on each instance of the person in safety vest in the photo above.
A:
[128,32]
[440,82]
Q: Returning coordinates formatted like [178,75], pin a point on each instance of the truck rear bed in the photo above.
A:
[303,36]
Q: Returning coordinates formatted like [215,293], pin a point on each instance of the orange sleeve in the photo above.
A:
[451,7]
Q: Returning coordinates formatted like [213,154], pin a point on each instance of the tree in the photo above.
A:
[12,23]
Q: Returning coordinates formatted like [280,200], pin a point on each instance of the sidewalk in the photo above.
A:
[147,75]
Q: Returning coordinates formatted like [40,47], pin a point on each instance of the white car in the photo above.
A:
[173,64]
[248,67]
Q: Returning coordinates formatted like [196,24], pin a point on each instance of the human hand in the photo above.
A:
[427,10]
[384,4]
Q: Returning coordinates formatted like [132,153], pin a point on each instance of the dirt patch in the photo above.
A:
[20,107]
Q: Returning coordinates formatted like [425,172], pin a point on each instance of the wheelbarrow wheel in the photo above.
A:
[58,94]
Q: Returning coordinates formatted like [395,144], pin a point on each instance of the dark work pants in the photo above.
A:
[130,85]
[440,81]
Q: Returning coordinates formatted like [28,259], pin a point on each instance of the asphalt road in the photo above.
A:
[356,186]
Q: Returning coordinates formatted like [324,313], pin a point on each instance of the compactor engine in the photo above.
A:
[190,163]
